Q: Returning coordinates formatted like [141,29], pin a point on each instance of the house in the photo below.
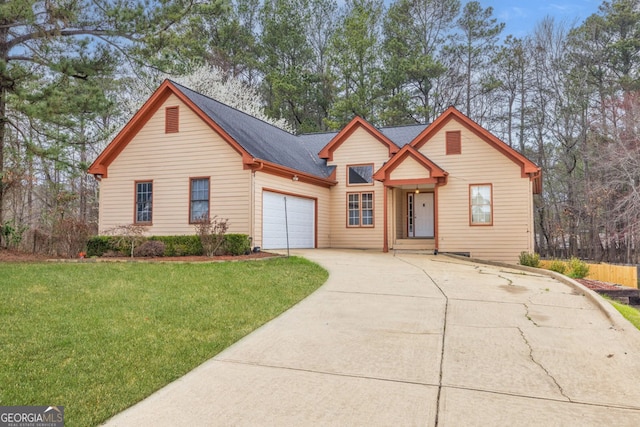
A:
[449,186]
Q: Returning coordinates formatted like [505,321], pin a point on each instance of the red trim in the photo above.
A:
[191,179]
[137,122]
[373,209]
[286,193]
[285,172]
[435,216]
[135,202]
[348,130]
[437,175]
[385,241]
[481,224]
[359,185]
[527,166]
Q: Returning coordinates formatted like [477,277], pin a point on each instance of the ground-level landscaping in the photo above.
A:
[98,337]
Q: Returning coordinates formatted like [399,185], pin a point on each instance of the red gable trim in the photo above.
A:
[436,173]
[285,172]
[348,130]
[529,169]
[101,164]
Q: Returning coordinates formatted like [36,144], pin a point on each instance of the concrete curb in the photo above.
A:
[618,321]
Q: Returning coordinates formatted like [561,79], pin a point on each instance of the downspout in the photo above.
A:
[252,202]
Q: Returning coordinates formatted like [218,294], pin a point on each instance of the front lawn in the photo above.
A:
[98,337]
[629,313]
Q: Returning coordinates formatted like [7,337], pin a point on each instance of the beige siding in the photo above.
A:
[170,160]
[410,169]
[359,148]
[268,182]
[479,163]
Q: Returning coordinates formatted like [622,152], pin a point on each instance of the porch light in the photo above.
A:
[417,190]
[295,178]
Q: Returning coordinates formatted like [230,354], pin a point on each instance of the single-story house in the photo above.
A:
[449,186]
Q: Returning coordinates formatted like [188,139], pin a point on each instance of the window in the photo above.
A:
[360,175]
[144,202]
[360,209]
[199,206]
[453,142]
[481,204]
[171,120]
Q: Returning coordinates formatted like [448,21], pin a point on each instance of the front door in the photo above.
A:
[421,215]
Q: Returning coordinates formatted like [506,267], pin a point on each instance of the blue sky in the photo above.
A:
[521,16]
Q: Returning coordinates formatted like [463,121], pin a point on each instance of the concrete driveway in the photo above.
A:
[417,340]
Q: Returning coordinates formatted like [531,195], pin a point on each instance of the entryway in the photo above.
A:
[420,215]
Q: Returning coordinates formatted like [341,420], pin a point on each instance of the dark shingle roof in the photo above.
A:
[402,135]
[264,141]
[260,139]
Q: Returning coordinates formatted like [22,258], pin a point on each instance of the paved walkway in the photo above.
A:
[417,340]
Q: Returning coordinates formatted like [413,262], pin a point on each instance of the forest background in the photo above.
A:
[567,95]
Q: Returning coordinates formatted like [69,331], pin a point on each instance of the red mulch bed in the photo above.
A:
[15,256]
[597,285]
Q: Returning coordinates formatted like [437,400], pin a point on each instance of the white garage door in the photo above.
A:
[299,221]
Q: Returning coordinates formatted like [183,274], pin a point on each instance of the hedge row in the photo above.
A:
[234,244]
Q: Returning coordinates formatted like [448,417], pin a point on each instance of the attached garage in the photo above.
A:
[285,216]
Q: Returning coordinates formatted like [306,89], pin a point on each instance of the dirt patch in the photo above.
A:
[598,285]
[7,255]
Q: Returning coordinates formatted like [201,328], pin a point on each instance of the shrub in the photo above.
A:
[529,259]
[150,248]
[237,244]
[557,266]
[211,233]
[99,245]
[180,245]
[578,269]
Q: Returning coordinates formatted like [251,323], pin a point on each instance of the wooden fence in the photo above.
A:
[626,275]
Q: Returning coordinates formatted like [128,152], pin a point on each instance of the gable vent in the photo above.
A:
[453,142]
[171,120]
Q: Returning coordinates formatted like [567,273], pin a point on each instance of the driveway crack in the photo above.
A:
[533,359]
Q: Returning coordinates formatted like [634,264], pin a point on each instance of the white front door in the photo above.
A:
[423,215]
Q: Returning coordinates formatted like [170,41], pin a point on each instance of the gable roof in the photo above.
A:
[436,173]
[264,146]
[253,138]
[348,130]
[260,139]
[529,168]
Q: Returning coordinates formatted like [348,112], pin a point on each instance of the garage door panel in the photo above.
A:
[299,221]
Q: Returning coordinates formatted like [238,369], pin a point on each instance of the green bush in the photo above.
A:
[557,266]
[236,244]
[578,269]
[180,245]
[529,259]
[98,245]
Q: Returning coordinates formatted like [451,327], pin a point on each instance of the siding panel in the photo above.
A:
[170,160]
[479,163]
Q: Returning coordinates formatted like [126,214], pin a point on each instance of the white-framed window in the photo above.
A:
[360,209]
[481,204]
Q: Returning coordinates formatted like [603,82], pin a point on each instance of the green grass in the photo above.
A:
[628,312]
[98,337]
